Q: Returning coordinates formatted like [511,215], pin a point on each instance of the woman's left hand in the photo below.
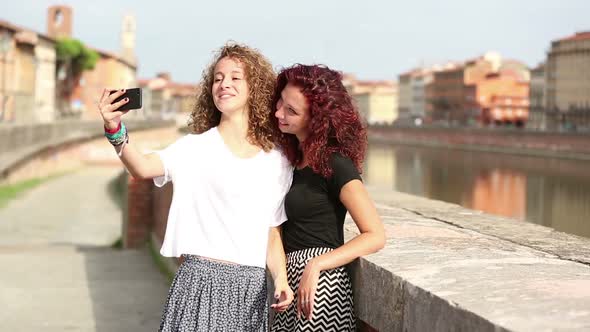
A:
[283,296]
[307,288]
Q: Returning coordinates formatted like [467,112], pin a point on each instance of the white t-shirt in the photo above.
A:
[222,205]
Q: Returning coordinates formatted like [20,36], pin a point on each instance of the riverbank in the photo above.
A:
[511,141]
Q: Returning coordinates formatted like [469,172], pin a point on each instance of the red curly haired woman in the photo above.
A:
[324,139]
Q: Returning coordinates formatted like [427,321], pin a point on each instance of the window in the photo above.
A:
[58,18]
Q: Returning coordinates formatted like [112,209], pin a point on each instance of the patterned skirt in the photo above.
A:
[333,308]
[215,296]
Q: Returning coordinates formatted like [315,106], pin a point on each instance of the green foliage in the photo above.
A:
[9,192]
[73,52]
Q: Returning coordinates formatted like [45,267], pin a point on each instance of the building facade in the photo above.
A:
[567,93]
[405,97]
[377,101]
[163,98]
[501,99]
[446,95]
[481,91]
[27,69]
[111,71]
[420,84]
[538,116]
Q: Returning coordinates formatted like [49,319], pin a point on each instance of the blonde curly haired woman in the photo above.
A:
[229,186]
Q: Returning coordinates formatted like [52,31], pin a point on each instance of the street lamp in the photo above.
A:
[5,41]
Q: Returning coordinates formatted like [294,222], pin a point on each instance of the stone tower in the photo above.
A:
[59,21]
[128,38]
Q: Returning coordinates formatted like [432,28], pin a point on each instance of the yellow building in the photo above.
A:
[377,101]
[27,81]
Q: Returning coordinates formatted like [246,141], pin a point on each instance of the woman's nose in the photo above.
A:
[225,82]
[279,113]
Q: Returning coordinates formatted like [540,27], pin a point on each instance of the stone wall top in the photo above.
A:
[447,268]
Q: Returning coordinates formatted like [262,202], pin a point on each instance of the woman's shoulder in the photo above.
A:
[211,132]
[343,166]
[339,161]
[191,141]
[206,135]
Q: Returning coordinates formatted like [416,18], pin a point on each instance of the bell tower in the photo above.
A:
[128,38]
[59,21]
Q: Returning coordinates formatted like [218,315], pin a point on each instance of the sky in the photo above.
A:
[373,40]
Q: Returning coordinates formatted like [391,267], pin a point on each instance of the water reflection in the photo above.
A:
[501,192]
[547,191]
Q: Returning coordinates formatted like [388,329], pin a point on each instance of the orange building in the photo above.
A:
[112,72]
[485,89]
[502,99]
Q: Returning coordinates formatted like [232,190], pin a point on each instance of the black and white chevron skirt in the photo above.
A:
[333,306]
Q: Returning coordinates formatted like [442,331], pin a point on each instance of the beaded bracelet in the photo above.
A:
[112,131]
[119,137]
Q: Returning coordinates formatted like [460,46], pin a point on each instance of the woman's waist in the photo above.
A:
[304,255]
[221,266]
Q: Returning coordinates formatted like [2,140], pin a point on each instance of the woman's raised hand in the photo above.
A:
[108,110]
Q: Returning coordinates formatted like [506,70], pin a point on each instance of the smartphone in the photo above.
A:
[134,95]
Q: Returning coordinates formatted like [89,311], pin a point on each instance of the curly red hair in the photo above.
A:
[335,125]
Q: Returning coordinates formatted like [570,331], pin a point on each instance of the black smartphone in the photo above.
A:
[134,95]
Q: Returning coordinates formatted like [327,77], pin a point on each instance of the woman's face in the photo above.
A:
[292,112]
[230,88]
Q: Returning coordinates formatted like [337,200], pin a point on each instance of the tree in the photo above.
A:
[72,59]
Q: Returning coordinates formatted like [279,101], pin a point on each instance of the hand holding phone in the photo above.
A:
[112,107]
[134,95]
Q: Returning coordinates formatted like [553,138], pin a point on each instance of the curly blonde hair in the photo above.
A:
[261,82]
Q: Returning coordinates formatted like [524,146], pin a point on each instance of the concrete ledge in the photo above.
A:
[562,245]
[446,268]
[20,143]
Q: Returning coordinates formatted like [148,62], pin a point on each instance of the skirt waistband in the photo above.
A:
[306,254]
[214,266]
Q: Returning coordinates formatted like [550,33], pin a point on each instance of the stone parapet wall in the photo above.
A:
[447,268]
[38,150]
